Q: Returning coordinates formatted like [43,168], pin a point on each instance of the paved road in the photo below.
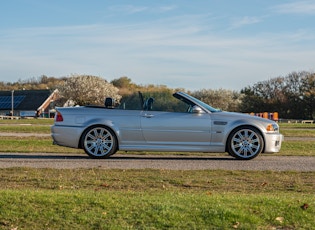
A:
[70,161]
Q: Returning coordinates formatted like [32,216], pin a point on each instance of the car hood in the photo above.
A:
[223,115]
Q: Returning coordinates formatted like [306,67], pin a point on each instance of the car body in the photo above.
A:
[196,127]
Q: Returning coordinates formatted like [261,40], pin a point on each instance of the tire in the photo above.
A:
[245,143]
[99,142]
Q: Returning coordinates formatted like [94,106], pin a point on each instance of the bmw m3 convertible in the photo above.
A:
[190,126]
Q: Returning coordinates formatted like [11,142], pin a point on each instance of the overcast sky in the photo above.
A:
[200,44]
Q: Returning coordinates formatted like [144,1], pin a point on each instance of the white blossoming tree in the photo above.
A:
[87,90]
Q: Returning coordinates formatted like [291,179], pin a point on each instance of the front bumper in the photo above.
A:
[273,143]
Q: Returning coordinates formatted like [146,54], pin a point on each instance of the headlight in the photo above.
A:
[272,127]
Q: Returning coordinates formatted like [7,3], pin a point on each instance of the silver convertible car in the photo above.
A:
[190,126]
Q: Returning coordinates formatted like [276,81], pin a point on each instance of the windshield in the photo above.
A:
[198,102]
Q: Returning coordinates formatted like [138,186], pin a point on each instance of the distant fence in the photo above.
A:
[275,116]
[9,117]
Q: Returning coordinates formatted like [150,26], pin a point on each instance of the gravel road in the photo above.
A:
[169,162]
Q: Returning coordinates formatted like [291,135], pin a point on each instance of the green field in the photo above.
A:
[152,199]
[155,199]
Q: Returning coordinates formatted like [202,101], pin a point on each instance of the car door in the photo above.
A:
[176,128]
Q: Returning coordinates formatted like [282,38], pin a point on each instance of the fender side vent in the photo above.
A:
[219,122]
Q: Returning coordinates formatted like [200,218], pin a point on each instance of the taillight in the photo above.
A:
[59,117]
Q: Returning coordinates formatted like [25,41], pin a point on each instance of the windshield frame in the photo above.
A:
[196,101]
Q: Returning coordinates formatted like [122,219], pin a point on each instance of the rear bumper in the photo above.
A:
[66,136]
[273,143]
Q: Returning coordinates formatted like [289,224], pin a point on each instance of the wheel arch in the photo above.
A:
[244,126]
[80,144]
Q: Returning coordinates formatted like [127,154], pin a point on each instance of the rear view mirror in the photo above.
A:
[197,109]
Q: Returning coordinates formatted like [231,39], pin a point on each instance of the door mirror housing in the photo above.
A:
[197,109]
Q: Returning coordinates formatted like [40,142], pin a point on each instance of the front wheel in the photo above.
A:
[99,142]
[245,143]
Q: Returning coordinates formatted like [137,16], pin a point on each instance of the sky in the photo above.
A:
[202,44]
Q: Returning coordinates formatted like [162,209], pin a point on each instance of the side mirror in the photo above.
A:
[197,109]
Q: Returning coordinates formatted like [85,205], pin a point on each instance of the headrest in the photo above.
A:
[109,102]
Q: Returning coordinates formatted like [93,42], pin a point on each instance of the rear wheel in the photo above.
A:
[99,142]
[245,143]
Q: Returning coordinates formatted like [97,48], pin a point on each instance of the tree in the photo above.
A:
[223,99]
[87,90]
[123,82]
[308,96]
[39,83]
[293,96]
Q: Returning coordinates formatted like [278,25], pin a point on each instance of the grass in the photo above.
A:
[136,180]
[35,144]
[39,121]
[152,199]
[298,132]
[44,129]
[296,126]
[297,148]
[155,199]
[141,210]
